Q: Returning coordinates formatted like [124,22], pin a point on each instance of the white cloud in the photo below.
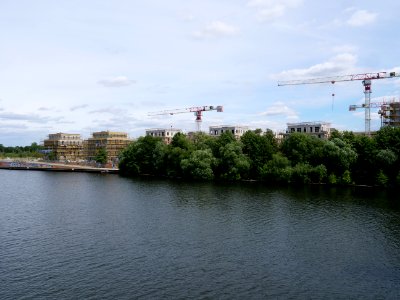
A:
[361,18]
[268,14]
[78,107]
[340,64]
[269,10]
[116,81]
[216,29]
[280,109]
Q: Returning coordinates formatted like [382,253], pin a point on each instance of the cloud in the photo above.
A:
[216,29]
[25,117]
[361,18]
[109,110]
[118,81]
[280,109]
[340,64]
[73,108]
[269,10]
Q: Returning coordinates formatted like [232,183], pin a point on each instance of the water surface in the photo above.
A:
[92,236]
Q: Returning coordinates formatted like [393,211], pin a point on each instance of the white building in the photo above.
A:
[165,134]
[237,131]
[319,129]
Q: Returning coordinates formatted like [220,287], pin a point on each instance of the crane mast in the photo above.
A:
[197,110]
[366,81]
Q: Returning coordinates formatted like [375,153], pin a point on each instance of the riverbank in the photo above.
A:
[53,167]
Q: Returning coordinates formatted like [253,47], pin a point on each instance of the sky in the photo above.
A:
[78,66]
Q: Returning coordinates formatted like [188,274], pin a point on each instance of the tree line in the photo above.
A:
[21,151]
[345,158]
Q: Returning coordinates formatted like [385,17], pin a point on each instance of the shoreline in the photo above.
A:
[52,167]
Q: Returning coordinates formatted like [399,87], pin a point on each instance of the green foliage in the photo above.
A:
[302,159]
[233,164]
[138,157]
[32,151]
[259,150]
[101,156]
[301,173]
[381,179]
[332,179]
[346,177]
[199,165]
[277,169]
[299,147]
[337,155]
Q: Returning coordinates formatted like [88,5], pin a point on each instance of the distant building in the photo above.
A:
[318,129]
[64,146]
[237,131]
[165,134]
[390,114]
[112,142]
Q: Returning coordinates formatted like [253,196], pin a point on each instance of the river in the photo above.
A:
[96,236]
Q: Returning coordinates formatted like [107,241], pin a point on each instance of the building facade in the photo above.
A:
[318,129]
[165,134]
[64,146]
[237,131]
[112,142]
[390,114]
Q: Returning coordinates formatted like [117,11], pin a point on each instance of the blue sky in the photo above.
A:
[84,66]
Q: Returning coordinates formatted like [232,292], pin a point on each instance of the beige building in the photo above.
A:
[112,142]
[390,114]
[318,129]
[64,146]
[237,131]
[165,134]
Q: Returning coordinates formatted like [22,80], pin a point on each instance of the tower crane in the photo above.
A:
[366,81]
[383,107]
[197,110]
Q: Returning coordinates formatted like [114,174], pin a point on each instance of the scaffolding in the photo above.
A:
[390,114]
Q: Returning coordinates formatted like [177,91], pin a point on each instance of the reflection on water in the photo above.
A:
[66,235]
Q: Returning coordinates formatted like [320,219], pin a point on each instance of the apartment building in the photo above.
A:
[112,142]
[237,131]
[64,146]
[165,134]
[318,129]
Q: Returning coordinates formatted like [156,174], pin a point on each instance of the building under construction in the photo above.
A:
[65,146]
[390,114]
[112,142]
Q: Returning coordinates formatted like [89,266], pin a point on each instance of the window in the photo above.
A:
[291,129]
[299,129]
[310,129]
[304,129]
[316,129]
[233,131]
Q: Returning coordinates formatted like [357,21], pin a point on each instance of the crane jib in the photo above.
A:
[334,79]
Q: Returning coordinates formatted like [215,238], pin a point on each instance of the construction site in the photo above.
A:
[71,147]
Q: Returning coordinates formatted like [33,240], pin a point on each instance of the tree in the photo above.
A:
[258,148]
[199,165]
[277,170]
[101,156]
[233,164]
[298,147]
[138,157]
